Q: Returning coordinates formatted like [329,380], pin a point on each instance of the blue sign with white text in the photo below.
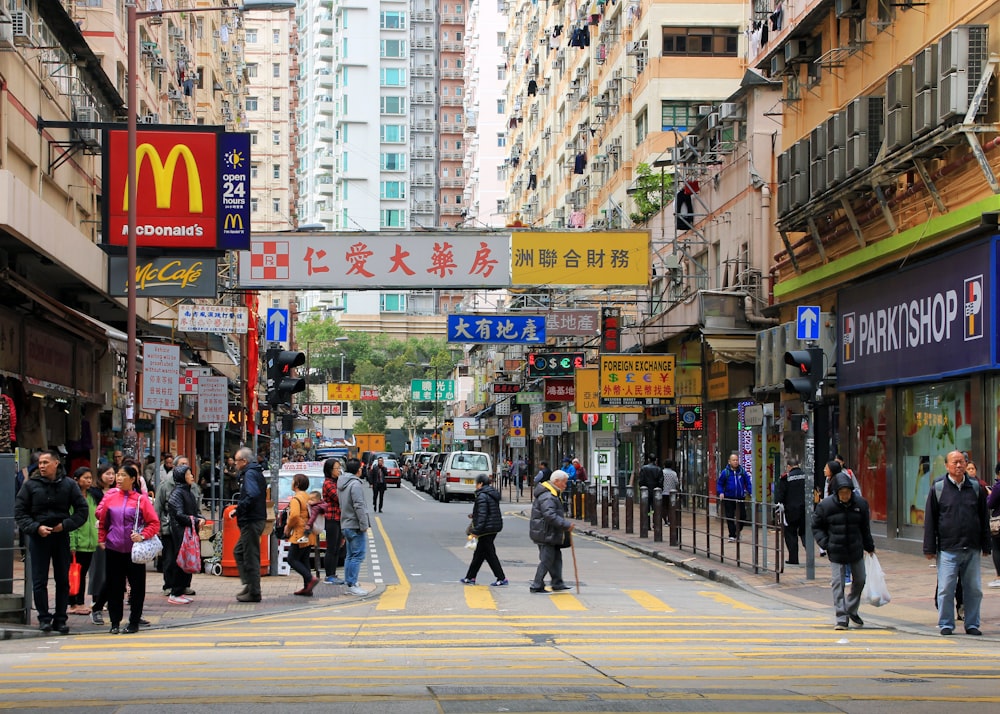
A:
[234,191]
[497,329]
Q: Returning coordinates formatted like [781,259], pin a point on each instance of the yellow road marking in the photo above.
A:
[726,600]
[650,602]
[565,601]
[479,597]
[395,596]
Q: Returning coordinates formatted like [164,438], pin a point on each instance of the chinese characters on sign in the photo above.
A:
[337,392]
[213,400]
[559,390]
[617,258]
[423,390]
[571,323]
[588,394]
[496,329]
[637,380]
[212,318]
[160,377]
[377,261]
[323,409]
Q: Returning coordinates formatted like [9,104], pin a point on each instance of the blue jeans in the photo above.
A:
[355,542]
[953,565]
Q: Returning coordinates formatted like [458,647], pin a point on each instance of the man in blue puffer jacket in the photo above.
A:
[733,487]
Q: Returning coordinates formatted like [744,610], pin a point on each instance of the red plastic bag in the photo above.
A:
[74,577]
[189,554]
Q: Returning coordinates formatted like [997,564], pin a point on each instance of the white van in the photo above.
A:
[459,471]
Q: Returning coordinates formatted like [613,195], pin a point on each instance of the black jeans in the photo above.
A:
[485,551]
[795,530]
[378,495]
[332,557]
[247,555]
[120,569]
[52,549]
[168,557]
[732,523]
[83,558]
[298,560]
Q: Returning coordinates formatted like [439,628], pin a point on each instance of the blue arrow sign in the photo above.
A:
[807,322]
[516,421]
[277,325]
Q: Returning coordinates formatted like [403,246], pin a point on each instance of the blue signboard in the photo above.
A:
[921,323]
[807,323]
[234,191]
[497,329]
[277,325]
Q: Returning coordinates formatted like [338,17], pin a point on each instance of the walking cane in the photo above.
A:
[572,550]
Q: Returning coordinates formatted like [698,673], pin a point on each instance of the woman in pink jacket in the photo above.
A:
[116,532]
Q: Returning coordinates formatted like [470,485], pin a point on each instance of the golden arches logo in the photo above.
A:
[163,176]
[234,221]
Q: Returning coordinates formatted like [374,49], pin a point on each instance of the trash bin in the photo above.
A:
[231,534]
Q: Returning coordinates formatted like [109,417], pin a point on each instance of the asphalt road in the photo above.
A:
[641,636]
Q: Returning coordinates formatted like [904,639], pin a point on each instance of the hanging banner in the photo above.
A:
[496,329]
[637,380]
[574,258]
[212,318]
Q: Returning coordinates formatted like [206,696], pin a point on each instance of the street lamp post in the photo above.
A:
[129,445]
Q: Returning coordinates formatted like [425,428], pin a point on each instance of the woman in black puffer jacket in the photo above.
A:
[181,507]
[487,522]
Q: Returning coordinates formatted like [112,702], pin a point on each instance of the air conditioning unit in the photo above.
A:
[704,110]
[176,32]
[836,131]
[730,111]
[777,65]
[799,51]
[230,86]
[899,88]
[898,128]
[636,47]
[20,27]
[962,54]
[784,199]
[849,8]
[925,74]
[924,112]
[836,167]
[953,51]
[225,55]
[857,154]
[149,118]
[88,135]
[800,157]
[175,95]
[817,143]
[183,114]
[800,190]
[784,167]
[817,177]
[713,120]
[159,64]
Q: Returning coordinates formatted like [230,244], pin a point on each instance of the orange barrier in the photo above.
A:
[231,534]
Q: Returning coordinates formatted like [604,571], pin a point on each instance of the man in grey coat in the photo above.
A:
[550,530]
[354,523]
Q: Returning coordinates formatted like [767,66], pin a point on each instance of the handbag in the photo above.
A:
[189,554]
[74,577]
[145,551]
[995,525]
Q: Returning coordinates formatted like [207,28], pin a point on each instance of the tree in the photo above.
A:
[650,192]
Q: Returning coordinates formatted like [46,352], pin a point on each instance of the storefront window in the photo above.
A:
[934,419]
[993,442]
[868,426]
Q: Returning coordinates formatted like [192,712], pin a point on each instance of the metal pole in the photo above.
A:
[211,463]
[157,433]
[809,466]
[129,439]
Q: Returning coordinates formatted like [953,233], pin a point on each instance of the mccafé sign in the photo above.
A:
[177,276]
[192,189]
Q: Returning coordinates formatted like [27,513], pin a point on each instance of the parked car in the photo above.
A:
[421,466]
[459,471]
[393,475]
[434,474]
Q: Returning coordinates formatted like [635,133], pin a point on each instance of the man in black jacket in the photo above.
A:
[956,531]
[548,528]
[251,517]
[791,494]
[47,508]
[842,527]
[487,522]
[650,476]
[377,475]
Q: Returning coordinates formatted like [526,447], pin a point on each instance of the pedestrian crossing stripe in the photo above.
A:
[648,602]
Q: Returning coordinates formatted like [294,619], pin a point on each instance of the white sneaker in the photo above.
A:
[179,600]
[357,590]
[995,583]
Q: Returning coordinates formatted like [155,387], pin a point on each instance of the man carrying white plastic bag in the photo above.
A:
[842,527]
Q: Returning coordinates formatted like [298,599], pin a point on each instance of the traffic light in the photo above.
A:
[809,363]
[281,385]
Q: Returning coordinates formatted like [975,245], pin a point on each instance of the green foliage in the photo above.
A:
[651,192]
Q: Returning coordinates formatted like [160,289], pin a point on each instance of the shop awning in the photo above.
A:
[117,339]
[733,348]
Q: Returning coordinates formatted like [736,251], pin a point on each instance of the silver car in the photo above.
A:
[459,472]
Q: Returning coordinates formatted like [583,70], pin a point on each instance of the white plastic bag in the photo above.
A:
[470,542]
[875,593]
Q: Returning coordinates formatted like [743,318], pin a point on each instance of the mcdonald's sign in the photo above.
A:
[192,189]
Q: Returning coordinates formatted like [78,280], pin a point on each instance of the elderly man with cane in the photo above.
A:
[550,530]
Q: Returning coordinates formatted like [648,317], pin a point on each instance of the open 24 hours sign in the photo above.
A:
[192,189]
[637,380]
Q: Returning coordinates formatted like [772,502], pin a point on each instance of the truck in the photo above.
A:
[367,443]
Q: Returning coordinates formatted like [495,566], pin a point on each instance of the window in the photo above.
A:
[501,39]
[393,189]
[392,218]
[458,144]
[276,104]
[700,41]
[393,48]
[251,104]
[393,133]
[678,115]
[276,70]
[276,37]
[458,91]
[275,137]
[501,106]
[253,138]
[501,72]
[276,170]
[458,63]
[393,105]
[252,70]
[392,302]
[641,127]
[392,20]
[276,205]
[392,77]
[251,37]
[254,169]
[254,205]
[458,36]
[501,140]
[458,8]
[458,118]
[458,173]
[393,162]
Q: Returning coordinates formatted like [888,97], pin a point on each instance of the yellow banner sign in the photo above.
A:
[580,258]
[637,380]
[336,392]
[588,394]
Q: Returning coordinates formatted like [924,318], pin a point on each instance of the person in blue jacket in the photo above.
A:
[732,488]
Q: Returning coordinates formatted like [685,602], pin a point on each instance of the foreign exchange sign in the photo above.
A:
[637,380]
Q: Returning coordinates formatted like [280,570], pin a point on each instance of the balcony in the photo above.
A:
[422,98]
[424,43]
[451,101]
[422,16]
[452,128]
[423,70]
[452,209]
[423,207]
[452,183]
[453,20]
[424,152]
[452,47]
[452,73]
[423,180]
[452,155]
[422,125]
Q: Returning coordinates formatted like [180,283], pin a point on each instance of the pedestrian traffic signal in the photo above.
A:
[809,366]
[281,384]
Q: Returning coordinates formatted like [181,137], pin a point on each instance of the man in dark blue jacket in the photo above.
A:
[956,531]
[47,507]
[732,488]
[251,517]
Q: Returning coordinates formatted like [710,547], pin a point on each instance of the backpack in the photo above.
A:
[939,487]
[281,522]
